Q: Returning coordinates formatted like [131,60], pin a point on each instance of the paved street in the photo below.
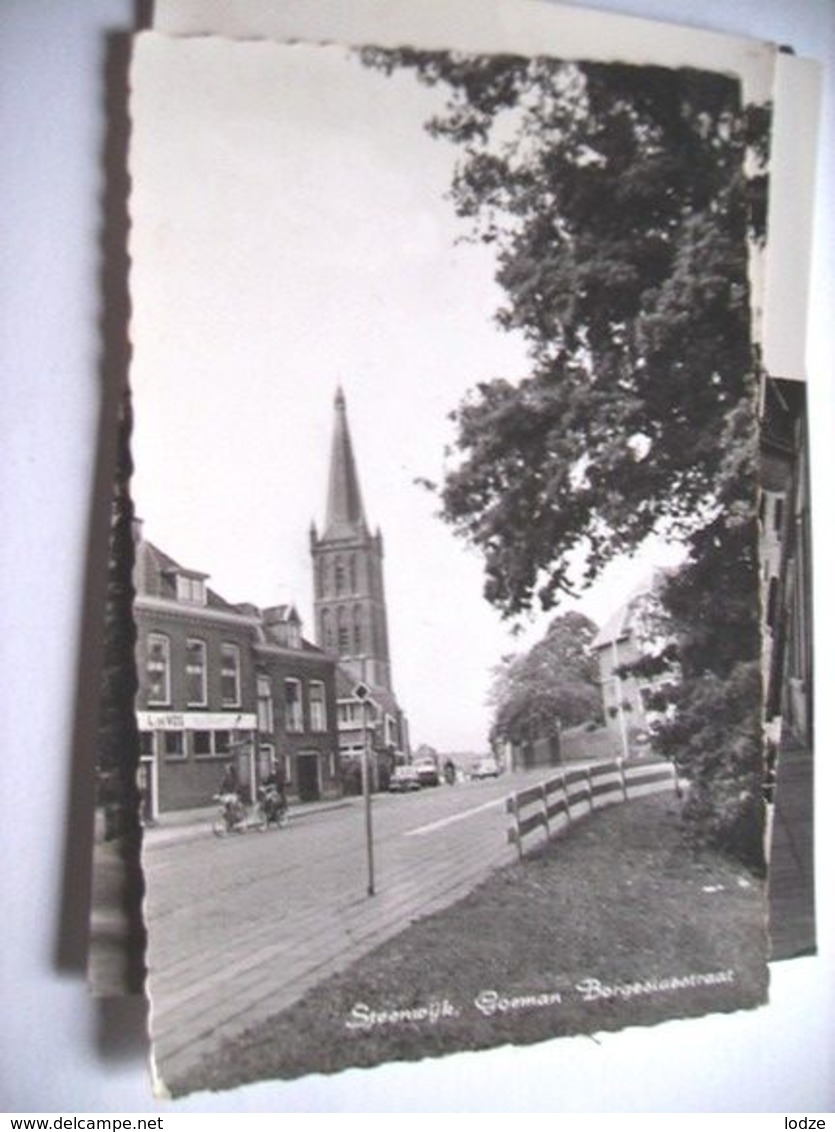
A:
[243,926]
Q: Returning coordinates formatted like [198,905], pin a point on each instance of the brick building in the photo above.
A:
[637,630]
[222,683]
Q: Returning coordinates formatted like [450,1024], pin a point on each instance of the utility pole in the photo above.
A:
[362,693]
[624,739]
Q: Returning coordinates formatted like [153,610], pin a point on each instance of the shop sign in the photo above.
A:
[195,721]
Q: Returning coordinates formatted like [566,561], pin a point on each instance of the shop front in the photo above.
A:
[184,756]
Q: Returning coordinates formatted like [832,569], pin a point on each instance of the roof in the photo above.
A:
[282,614]
[616,628]
[266,644]
[783,405]
[345,517]
[156,573]
[346,682]
[620,624]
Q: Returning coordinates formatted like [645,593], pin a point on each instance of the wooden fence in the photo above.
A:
[551,806]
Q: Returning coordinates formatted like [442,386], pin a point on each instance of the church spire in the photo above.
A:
[345,516]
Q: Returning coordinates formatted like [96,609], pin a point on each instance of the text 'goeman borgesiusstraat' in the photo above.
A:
[492,1002]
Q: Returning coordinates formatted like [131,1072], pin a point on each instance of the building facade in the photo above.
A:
[786,563]
[350,614]
[636,631]
[222,683]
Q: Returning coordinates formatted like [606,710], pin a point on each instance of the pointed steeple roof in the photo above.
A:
[345,516]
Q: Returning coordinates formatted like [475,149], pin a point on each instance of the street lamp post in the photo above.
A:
[362,693]
[245,747]
[624,739]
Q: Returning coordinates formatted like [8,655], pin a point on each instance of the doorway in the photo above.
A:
[307,769]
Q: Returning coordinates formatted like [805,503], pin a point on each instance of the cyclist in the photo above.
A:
[274,791]
[230,793]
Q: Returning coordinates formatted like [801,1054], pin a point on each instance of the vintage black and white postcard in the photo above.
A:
[448,408]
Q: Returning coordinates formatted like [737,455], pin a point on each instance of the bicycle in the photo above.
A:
[235,817]
[273,807]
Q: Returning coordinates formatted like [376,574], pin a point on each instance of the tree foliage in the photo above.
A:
[715,739]
[621,203]
[554,683]
[617,201]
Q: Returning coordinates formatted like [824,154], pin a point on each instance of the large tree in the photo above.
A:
[617,201]
[621,202]
[553,684]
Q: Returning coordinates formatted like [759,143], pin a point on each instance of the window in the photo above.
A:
[357,629]
[202,744]
[195,673]
[293,700]
[211,744]
[343,639]
[352,574]
[230,675]
[771,605]
[266,760]
[294,634]
[146,744]
[266,721]
[339,577]
[159,669]
[327,629]
[318,710]
[778,516]
[349,712]
[173,746]
[191,590]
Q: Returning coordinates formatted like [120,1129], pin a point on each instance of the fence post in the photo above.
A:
[513,808]
[676,780]
[590,785]
[544,791]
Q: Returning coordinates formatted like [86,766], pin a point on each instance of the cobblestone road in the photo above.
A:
[240,928]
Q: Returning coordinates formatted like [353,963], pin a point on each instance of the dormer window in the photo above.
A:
[191,588]
[283,626]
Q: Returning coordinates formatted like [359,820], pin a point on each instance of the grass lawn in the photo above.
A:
[616,924]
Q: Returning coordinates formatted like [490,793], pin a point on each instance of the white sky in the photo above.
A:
[290,233]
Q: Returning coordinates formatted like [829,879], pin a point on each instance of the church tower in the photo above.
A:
[349,599]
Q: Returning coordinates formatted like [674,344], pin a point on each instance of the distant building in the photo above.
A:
[786,561]
[221,683]
[351,618]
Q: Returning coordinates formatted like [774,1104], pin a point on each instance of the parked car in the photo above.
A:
[427,772]
[403,779]
[485,768]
